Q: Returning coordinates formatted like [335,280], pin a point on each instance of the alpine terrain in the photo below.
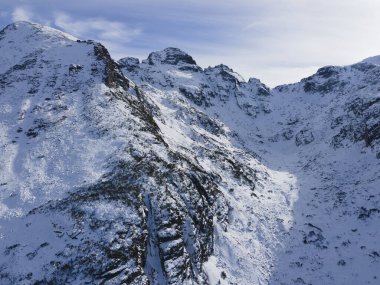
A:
[161,172]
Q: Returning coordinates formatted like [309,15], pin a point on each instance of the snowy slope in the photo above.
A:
[90,191]
[162,172]
[245,247]
[59,141]
[317,142]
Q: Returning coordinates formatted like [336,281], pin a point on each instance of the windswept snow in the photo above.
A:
[308,220]
[185,175]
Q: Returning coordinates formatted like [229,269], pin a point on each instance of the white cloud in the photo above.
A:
[3,14]
[21,14]
[98,28]
[278,41]
[284,41]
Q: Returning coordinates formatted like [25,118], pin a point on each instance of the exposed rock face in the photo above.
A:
[303,137]
[312,130]
[172,69]
[162,172]
[359,123]
[133,211]
[130,63]
[171,56]
[113,78]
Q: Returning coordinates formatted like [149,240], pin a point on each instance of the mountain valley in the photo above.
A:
[163,172]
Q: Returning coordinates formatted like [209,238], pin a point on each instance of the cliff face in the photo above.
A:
[162,172]
[90,190]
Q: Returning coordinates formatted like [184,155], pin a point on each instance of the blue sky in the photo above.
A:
[277,41]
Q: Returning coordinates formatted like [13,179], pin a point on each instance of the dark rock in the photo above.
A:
[315,237]
[129,63]
[172,56]
[75,68]
[113,77]
[327,71]
[365,213]
[341,262]
[304,137]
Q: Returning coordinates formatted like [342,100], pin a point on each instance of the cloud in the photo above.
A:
[115,35]
[278,41]
[97,28]
[3,14]
[21,14]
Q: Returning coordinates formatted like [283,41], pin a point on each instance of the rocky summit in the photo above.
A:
[163,172]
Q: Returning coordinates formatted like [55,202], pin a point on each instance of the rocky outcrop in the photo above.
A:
[162,172]
[172,56]
[173,69]
[131,211]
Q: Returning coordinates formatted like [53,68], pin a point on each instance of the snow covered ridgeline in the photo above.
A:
[351,89]
[82,163]
[172,69]
[185,175]
[312,136]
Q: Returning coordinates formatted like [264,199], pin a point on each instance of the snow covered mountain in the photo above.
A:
[162,172]
[318,141]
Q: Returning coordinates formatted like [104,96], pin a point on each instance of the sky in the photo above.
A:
[276,41]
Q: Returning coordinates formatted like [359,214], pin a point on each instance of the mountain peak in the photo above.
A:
[22,25]
[25,29]
[184,175]
[170,55]
[373,60]
[25,38]
[130,63]
[226,72]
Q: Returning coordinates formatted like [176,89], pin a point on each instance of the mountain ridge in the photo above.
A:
[167,173]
